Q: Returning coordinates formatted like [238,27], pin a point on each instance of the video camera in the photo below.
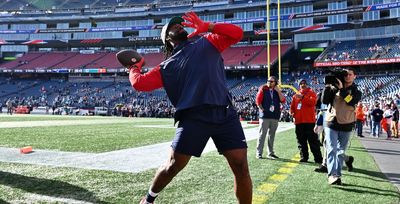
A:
[334,75]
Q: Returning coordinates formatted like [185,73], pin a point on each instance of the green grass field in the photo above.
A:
[205,180]
[89,138]
[16,117]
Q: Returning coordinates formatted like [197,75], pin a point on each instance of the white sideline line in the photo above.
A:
[155,126]
[33,198]
[46,123]
[132,160]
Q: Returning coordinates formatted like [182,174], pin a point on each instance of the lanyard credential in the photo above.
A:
[272,107]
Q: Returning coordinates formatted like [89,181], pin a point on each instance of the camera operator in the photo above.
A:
[342,98]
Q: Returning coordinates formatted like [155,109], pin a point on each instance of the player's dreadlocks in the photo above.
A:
[167,49]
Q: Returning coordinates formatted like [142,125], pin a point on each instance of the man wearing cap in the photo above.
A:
[193,76]
[303,110]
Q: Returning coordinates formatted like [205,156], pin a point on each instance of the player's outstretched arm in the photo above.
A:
[145,82]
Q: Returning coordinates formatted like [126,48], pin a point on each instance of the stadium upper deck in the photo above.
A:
[26,5]
[140,20]
[112,25]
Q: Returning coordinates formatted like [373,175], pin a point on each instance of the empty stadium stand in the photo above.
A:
[233,56]
[261,57]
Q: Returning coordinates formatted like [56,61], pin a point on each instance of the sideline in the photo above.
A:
[385,153]
[67,122]
[132,160]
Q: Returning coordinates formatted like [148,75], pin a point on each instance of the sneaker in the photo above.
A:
[271,158]
[360,135]
[339,181]
[259,157]
[274,156]
[349,163]
[334,180]
[143,201]
[321,169]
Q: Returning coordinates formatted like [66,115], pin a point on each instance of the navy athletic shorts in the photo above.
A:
[197,125]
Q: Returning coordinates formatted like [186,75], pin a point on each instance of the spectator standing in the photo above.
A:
[377,116]
[303,110]
[387,122]
[360,119]
[10,107]
[269,98]
[395,121]
[369,115]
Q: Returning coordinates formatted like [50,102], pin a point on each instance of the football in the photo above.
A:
[128,58]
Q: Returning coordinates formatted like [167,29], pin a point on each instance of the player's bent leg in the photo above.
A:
[237,159]
[167,172]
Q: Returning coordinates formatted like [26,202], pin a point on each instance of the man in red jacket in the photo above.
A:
[302,109]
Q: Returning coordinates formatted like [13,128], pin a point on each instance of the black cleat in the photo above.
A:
[321,169]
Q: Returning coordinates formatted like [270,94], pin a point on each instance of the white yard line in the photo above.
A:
[47,123]
[127,160]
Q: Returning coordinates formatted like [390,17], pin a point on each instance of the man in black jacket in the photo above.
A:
[377,116]
[395,121]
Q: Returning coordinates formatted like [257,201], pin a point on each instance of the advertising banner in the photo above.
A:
[356,62]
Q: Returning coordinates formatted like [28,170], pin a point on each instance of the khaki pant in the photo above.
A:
[395,128]
[266,126]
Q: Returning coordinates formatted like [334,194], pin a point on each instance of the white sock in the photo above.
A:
[152,193]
